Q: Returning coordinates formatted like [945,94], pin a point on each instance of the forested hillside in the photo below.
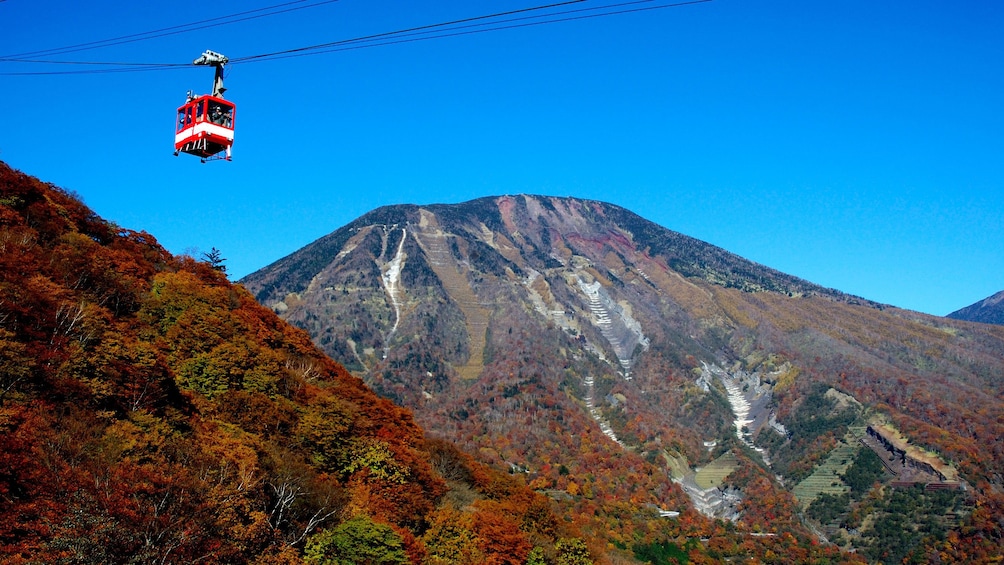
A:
[152,412]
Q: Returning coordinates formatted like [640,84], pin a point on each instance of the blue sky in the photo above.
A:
[859,145]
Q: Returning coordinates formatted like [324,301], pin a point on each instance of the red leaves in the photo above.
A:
[101,455]
[25,483]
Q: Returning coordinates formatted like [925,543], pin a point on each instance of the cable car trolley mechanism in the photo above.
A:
[205,126]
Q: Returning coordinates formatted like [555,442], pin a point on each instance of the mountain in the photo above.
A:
[988,311]
[619,366]
[153,412]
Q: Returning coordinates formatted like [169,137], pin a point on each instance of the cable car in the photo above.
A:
[205,125]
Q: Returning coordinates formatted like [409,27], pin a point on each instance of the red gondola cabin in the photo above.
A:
[205,127]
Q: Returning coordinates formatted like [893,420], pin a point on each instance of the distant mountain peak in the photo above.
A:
[543,223]
[990,310]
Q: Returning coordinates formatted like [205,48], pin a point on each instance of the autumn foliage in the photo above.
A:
[151,411]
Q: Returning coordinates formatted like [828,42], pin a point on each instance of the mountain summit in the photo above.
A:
[619,366]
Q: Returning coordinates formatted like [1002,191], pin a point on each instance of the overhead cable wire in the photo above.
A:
[131,69]
[252,57]
[465,26]
[411,36]
[408,30]
[122,67]
[173,30]
[50,62]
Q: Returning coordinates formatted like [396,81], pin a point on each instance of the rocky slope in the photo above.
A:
[609,359]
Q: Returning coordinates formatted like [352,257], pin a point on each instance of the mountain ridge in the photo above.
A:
[723,262]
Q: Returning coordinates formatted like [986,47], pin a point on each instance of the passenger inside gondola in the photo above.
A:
[220,114]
